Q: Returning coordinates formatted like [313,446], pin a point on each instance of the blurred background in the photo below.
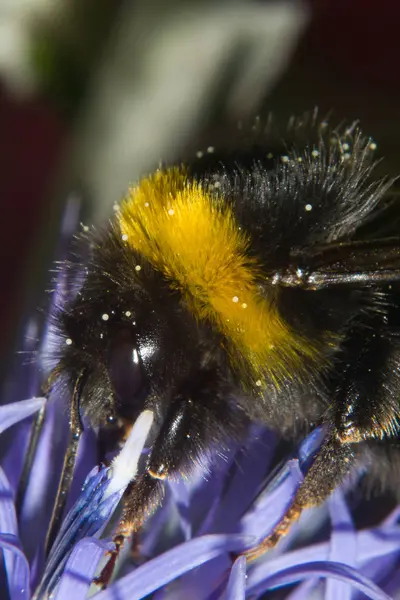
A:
[93,93]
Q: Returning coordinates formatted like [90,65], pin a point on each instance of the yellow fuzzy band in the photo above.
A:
[195,241]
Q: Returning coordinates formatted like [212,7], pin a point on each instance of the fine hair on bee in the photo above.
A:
[256,284]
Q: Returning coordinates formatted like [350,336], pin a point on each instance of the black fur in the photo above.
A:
[305,195]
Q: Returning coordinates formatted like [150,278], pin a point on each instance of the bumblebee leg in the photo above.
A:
[331,465]
[367,399]
[176,446]
[175,450]
[140,500]
[36,430]
[366,409]
[76,429]
[37,427]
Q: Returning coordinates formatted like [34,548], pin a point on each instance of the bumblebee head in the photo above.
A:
[137,344]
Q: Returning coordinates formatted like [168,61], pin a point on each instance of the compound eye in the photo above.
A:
[126,369]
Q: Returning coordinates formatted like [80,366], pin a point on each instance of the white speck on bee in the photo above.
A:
[308,207]
[68,341]
[138,268]
[105,317]
[235,299]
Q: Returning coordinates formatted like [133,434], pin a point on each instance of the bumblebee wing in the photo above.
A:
[360,262]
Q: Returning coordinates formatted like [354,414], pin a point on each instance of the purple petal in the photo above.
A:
[88,515]
[320,569]
[343,545]
[97,502]
[393,585]
[206,492]
[304,590]
[70,218]
[263,569]
[180,495]
[17,411]
[81,569]
[244,481]
[8,519]
[170,565]
[85,462]
[393,518]
[377,542]
[378,552]
[22,379]
[370,545]
[153,529]
[69,225]
[42,485]
[15,562]
[210,579]
[271,506]
[236,589]
[17,567]
[310,445]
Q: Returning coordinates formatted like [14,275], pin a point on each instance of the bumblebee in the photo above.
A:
[246,285]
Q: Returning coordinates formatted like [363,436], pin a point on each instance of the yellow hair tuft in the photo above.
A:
[194,240]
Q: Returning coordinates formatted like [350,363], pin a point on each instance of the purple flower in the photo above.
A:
[190,548]
[186,548]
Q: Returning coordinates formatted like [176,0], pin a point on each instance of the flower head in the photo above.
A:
[191,547]
[187,549]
